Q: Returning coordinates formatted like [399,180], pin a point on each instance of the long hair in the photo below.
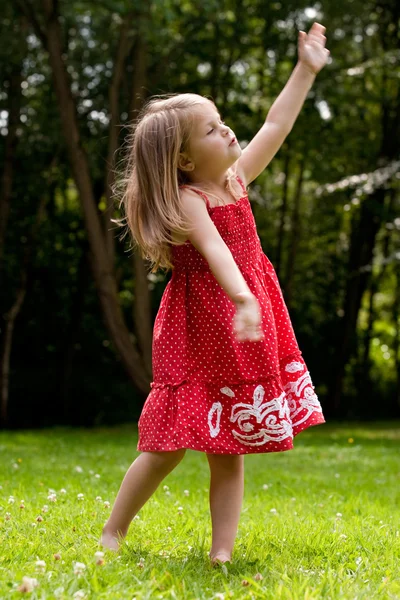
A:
[148,188]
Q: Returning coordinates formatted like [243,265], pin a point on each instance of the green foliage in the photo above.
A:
[240,53]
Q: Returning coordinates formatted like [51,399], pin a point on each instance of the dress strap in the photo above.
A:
[241,184]
[202,194]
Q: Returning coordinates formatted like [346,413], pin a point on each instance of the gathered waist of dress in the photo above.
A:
[246,254]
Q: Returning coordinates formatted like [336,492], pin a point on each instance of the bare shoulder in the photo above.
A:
[192,202]
[203,233]
[194,207]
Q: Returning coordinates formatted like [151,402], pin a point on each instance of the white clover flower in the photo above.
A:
[97,476]
[63,491]
[79,595]
[343,536]
[186,492]
[169,528]
[273,510]
[106,503]
[81,496]
[11,500]
[99,498]
[79,568]
[45,508]
[40,566]
[52,497]
[99,554]
[78,469]
[265,486]
[136,518]
[165,488]
[339,515]
[28,584]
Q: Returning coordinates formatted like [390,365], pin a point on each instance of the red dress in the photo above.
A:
[211,392]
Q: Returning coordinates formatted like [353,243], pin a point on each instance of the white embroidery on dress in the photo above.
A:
[214,429]
[227,391]
[274,428]
[298,397]
[294,366]
[301,396]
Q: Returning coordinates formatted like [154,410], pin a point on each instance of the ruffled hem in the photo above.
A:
[242,417]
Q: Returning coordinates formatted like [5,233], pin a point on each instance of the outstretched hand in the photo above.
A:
[311,48]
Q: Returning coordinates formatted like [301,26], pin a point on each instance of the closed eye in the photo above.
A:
[211,130]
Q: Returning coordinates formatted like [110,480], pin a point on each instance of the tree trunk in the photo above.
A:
[376,280]
[215,61]
[11,315]
[124,46]
[295,234]
[364,231]
[10,142]
[101,264]
[283,211]
[77,311]
[142,305]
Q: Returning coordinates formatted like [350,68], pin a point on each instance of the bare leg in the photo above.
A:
[226,496]
[140,482]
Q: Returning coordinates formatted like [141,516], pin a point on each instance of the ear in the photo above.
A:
[184,162]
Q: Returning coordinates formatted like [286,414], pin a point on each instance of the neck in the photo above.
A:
[216,183]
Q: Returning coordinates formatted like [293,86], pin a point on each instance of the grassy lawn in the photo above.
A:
[319,521]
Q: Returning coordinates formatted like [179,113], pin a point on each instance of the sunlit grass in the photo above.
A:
[320,521]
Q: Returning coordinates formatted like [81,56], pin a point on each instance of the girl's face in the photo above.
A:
[211,150]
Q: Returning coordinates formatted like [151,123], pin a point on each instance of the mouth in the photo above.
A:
[234,141]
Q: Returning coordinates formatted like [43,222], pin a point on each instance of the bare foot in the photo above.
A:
[220,558]
[110,541]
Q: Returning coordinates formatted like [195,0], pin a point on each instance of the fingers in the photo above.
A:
[315,34]
[317,28]
[253,334]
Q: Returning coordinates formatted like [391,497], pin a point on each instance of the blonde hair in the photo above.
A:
[148,189]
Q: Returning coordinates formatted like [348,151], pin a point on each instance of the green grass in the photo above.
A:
[319,521]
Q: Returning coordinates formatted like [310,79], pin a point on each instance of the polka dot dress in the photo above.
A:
[211,392]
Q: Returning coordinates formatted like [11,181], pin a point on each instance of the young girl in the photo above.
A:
[229,377]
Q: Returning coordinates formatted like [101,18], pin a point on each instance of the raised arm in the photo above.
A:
[284,111]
